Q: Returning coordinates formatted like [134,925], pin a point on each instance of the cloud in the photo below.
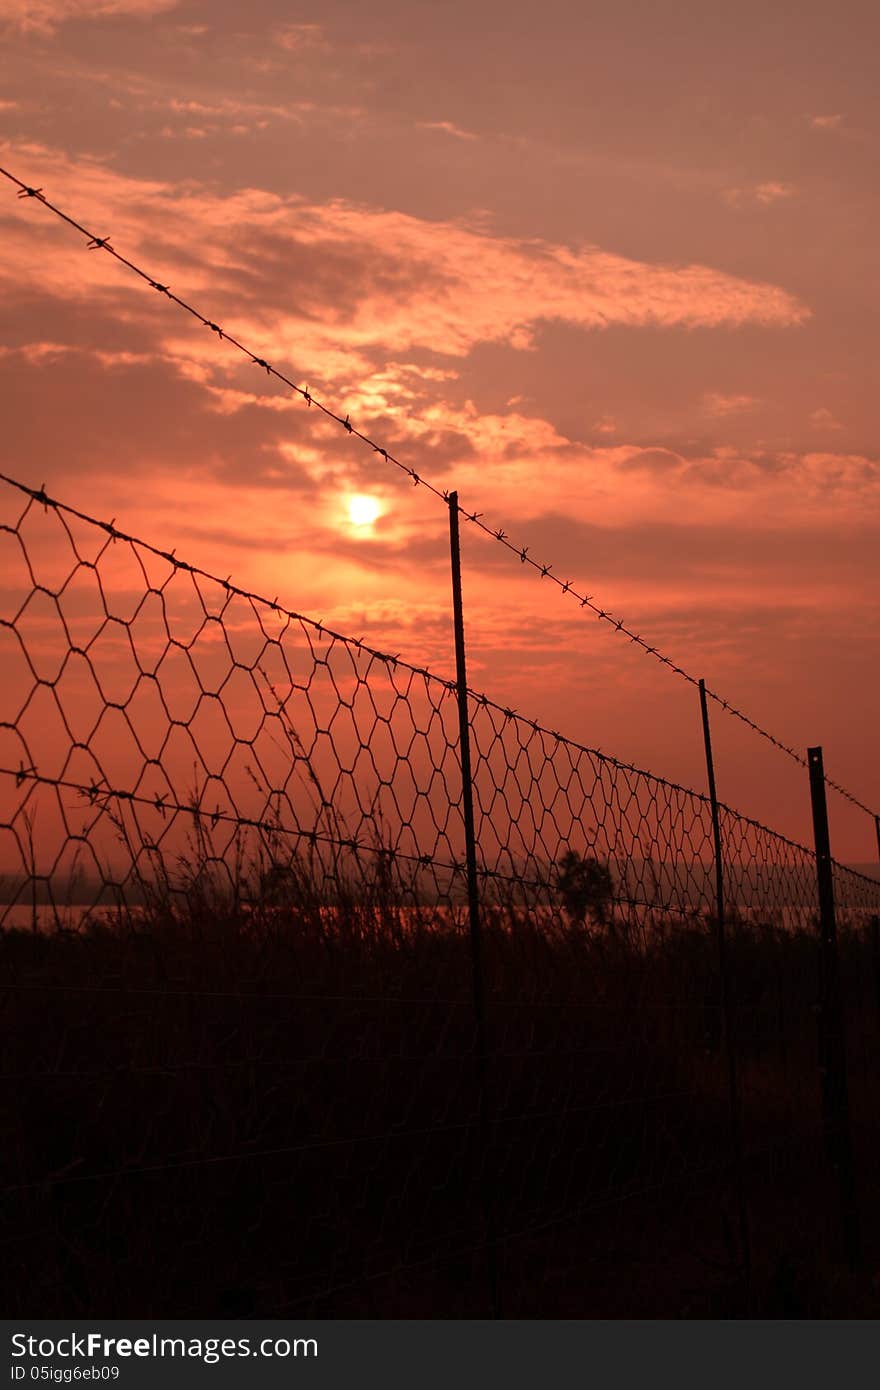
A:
[223,115]
[130,429]
[295,38]
[822,419]
[382,307]
[448,128]
[187,132]
[373,310]
[826,122]
[606,424]
[323,285]
[654,461]
[701,553]
[622,483]
[719,404]
[44,16]
[762,194]
[501,437]
[39,354]
[772,192]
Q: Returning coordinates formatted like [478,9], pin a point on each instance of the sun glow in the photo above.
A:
[363,511]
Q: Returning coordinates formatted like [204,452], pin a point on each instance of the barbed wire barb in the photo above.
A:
[474,518]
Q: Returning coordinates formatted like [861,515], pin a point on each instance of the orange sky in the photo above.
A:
[608,270]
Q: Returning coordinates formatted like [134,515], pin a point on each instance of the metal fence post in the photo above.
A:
[478,974]
[875,930]
[832,1042]
[728,1039]
[875,958]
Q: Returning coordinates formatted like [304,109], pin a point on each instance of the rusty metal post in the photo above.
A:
[728,1037]
[875,958]
[875,931]
[832,1042]
[476,939]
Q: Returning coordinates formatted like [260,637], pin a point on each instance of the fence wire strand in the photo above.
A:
[235,979]
[189,717]
[586,601]
[235,924]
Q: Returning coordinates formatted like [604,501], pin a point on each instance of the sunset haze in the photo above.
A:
[609,271]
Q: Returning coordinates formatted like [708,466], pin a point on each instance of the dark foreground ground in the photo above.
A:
[201,1120]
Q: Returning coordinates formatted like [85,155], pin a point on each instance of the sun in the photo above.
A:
[362,510]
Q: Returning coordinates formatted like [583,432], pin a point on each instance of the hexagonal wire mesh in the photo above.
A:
[157,718]
[169,734]
[175,750]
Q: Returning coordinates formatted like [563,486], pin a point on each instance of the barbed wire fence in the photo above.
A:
[476,519]
[439,1008]
[267,862]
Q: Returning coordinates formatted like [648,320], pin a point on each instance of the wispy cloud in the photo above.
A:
[831,122]
[325,283]
[295,38]
[762,194]
[44,16]
[823,419]
[606,425]
[773,191]
[448,128]
[720,404]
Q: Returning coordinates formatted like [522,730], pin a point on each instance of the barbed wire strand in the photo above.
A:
[475,518]
[163,804]
[392,660]
[93,793]
[448,686]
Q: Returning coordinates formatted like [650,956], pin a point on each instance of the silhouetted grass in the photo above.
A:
[272,1106]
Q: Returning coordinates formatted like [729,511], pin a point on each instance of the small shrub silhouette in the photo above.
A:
[585,887]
